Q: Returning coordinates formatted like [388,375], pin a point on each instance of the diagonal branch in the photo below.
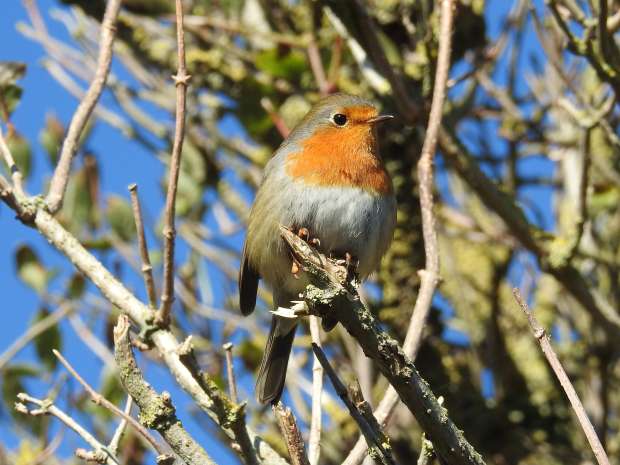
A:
[156,411]
[545,344]
[364,418]
[147,268]
[331,294]
[60,178]
[292,435]
[47,407]
[16,174]
[181,81]
[101,400]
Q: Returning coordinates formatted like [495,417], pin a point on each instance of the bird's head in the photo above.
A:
[335,144]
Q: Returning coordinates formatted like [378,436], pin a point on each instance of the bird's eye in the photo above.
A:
[340,119]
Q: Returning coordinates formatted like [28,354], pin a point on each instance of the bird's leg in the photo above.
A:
[304,234]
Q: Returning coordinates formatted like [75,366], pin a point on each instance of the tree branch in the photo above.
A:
[60,178]
[314,441]
[330,294]
[156,411]
[16,174]
[367,423]
[100,400]
[47,407]
[181,80]
[230,372]
[545,344]
[292,436]
[147,268]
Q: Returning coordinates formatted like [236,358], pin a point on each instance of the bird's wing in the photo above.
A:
[248,284]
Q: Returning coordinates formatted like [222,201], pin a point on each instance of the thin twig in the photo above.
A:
[91,455]
[230,372]
[47,407]
[34,331]
[276,119]
[147,268]
[291,434]
[430,275]
[100,400]
[545,344]
[314,441]
[360,411]
[181,81]
[316,65]
[120,429]
[16,174]
[426,452]
[7,195]
[60,178]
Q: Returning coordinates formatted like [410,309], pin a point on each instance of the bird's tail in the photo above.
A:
[272,371]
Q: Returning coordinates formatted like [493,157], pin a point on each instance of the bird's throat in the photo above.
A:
[338,157]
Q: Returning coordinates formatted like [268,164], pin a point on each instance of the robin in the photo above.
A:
[326,178]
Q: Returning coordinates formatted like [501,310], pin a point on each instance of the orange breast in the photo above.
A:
[340,157]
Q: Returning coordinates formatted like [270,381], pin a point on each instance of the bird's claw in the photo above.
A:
[303,234]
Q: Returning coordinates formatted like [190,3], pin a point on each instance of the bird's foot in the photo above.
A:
[304,234]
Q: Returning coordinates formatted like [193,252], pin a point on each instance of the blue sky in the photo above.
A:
[122,163]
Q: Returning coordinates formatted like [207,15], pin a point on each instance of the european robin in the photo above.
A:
[328,179]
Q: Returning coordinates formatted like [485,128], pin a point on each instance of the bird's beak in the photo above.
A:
[379,119]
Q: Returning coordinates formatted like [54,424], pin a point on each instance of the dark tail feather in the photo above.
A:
[272,371]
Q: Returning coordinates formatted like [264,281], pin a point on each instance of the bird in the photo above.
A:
[326,180]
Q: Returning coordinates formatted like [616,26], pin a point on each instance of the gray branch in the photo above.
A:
[156,411]
[331,293]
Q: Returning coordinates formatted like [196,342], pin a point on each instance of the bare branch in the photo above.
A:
[16,174]
[276,119]
[100,400]
[147,269]
[181,81]
[545,344]
[360,412]
[426,452]
[7,195]
[230,372]
[430,275]
[314,442]
[330,294]
[120,429]
[291,434]
[156,411]
[47,407]
[60,178]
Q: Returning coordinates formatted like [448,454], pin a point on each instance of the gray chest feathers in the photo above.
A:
[344,219]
